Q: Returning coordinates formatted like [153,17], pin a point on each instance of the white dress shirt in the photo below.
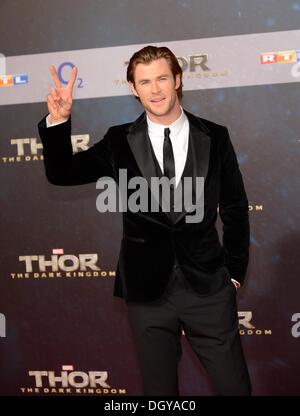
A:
[179,136]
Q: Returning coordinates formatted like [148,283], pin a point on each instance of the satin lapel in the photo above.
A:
[139,143]
[140,147]
[199,140]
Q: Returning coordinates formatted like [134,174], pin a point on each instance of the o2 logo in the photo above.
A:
[295,71]
[60,72]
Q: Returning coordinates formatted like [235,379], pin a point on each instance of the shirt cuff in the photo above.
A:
[49,124]
[236,283]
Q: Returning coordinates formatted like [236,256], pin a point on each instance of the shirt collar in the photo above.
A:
[175,127]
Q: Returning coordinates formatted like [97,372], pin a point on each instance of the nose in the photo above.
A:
[155,87]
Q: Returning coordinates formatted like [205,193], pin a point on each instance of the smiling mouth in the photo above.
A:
[157,100]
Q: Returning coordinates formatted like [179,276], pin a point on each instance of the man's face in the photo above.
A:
[156,88]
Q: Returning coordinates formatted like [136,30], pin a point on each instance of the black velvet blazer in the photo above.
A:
[151,242]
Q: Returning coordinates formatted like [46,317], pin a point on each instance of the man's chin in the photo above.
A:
[159,112]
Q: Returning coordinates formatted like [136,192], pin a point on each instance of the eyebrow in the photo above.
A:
[159,76]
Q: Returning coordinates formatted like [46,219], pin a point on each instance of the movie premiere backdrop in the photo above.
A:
[61,329]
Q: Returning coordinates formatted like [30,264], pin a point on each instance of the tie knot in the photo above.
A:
[167,133]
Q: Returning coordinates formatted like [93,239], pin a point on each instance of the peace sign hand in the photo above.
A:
[59,99]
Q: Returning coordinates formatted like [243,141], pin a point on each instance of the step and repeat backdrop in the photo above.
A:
[61,330]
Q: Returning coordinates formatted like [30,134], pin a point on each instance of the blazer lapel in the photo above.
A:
[139,143]
[140,147]
[199,140]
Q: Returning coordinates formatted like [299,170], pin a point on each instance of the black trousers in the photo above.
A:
[210,324]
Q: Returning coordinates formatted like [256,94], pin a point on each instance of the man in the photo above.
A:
[173,274]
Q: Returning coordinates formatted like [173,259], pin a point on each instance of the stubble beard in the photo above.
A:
[162,112]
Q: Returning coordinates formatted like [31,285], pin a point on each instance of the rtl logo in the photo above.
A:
[2,326]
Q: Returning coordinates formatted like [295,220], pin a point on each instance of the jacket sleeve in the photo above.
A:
[234,213]
[65,168]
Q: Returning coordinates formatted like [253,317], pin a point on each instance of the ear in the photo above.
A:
[177,81]
[133,90]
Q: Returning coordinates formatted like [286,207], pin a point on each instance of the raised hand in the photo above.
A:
[59,99]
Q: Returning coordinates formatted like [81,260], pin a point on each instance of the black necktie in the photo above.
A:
[169,164]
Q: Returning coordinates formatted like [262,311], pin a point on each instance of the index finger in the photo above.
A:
[55,76]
